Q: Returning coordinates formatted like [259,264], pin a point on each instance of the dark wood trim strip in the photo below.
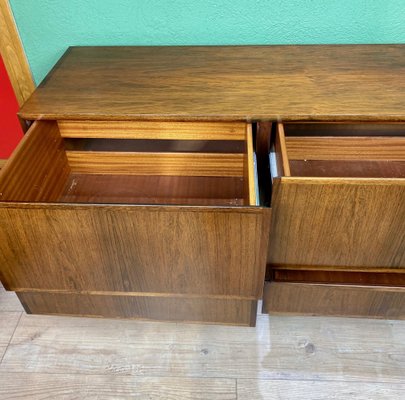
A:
[346,268]
[341,277]
[130,294]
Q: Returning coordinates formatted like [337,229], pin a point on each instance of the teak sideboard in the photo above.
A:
[187,183]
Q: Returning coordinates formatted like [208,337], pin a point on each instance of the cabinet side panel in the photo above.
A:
[188,250]
[335,222]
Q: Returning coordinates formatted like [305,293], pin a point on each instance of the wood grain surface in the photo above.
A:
[38,168]
[290,348]
[73,386]
[348,168]
[282,157]
[318,275]
[36,386]
[249,168]
[344,128]
[207,310]
[178,164]
[8,323]
[338,222]
[149,249]
[345,148]
[12,53]
[153,145]
[283,358]
[110,358]
[149,189]
[329,299]
[338,82]
[249,389]
[153,130]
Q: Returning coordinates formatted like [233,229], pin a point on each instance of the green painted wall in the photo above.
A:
[48,27]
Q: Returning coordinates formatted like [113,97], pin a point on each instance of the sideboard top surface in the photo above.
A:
[252,83]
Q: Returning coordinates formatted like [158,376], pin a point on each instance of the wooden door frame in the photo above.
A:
[14,58]
[13,55]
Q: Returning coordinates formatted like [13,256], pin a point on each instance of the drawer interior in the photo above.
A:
[190,163]
[350,150]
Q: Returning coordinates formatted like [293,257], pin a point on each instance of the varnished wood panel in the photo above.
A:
[13,55]
[152,249]
[180,164]
[136,189]
[373,277]
[279,153]
[249,168]
[346,148]
[343,300]
[348,168]
[344,128]
[153,130]
[338,222]
[339,82]
[152,145]
[208,310]
[2,163]
[38,168]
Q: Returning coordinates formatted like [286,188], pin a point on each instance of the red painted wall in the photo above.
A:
[10,128]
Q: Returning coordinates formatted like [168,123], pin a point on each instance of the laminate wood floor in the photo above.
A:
[284,357]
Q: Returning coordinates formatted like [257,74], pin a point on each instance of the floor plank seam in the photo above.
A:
[369,381]
[4,370]
[317,379]
[11,337]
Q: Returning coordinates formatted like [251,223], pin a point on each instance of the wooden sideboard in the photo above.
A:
[175,183]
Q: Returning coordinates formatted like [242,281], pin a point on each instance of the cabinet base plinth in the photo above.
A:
[163,308]
[334,300]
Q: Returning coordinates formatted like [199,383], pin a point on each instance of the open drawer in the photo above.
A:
[133,209]
[338,201]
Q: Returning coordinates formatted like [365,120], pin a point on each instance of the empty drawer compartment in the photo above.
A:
[338,196]
[133,163]
[157,208]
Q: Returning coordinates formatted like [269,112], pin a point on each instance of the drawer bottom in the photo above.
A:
[334,300]
[180,309]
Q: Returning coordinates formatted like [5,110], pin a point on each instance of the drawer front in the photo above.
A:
[338,197]
[156,249]
[338,223]
[334,300]
[118,207]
